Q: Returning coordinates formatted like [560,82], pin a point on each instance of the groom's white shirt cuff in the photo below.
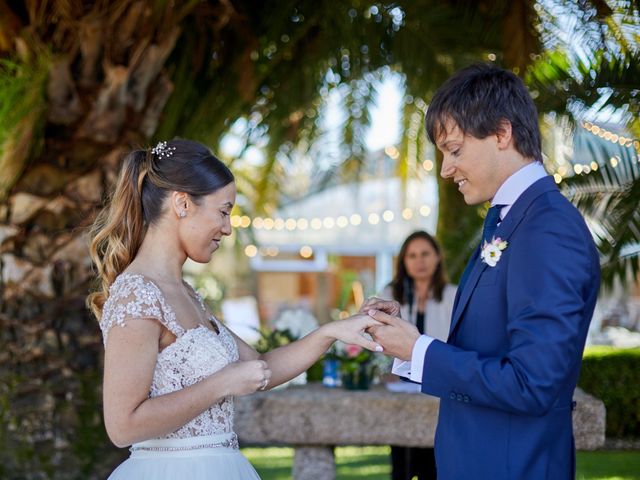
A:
[413,369]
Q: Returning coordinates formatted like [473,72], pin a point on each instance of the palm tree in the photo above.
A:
[596,78]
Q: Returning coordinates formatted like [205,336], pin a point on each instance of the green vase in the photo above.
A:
[358,378]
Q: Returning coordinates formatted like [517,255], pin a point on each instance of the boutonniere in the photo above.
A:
[492,251]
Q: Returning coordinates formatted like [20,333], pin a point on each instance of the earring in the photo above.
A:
[182,214]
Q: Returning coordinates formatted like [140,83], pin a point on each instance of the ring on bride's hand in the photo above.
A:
[264,384]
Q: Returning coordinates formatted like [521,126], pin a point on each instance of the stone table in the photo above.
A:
[313,419]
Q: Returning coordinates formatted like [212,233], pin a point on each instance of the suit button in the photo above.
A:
[466,399]
[452,396]
[459,397]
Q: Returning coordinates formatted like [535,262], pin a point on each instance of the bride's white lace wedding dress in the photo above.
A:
[206,447]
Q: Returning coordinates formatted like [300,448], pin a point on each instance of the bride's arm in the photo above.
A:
[291,360]
[130,358]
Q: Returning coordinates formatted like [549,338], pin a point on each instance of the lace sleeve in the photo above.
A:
[131,297]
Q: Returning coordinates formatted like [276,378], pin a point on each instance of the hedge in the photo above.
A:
[613,375]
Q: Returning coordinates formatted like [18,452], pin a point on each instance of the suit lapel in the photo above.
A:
[504,231]
[467,271]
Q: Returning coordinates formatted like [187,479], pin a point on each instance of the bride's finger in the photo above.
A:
[362,318]
[368,344]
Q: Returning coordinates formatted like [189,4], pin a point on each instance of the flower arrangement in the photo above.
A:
[356,365]
[492,251]
[289,325]
[298,321]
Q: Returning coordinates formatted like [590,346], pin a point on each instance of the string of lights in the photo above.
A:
[605,134]
[317,223]
[610,136]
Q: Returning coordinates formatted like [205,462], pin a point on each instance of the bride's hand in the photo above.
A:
[351,329]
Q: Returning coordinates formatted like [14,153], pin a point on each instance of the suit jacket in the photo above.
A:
[507,374]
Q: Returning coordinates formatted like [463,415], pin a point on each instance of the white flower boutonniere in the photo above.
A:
[491,252]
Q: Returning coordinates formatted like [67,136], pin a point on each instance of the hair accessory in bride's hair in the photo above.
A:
[163,150]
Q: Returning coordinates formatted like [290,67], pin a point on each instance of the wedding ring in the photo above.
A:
[263,385]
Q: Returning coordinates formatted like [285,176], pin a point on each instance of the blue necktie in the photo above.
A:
[491,223]
[488,229]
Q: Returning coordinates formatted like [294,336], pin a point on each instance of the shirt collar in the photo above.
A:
[516,184]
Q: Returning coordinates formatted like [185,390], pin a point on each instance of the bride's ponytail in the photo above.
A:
[119,228]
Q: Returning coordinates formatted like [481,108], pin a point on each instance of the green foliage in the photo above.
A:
[22,90]
[608,198]
[315,371]
[351,358]
[563,85]
[605,465]
[591,81]
[272,338]
[22,106]
[211,288]
[353,462]
[347,279]
[277,76]
[613,375]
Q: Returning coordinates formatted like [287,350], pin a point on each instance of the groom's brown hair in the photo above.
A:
[478,99]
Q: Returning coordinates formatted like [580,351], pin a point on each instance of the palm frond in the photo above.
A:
[557,80]
[608,196]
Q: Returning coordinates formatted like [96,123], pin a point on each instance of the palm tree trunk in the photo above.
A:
[49,343]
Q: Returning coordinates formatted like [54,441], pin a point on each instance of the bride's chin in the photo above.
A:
[202,257]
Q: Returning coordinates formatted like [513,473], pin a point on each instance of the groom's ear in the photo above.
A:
[504,134]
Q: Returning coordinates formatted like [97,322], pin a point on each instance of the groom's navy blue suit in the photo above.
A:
[507,374]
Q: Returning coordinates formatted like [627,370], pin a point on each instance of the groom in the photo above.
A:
[507,373]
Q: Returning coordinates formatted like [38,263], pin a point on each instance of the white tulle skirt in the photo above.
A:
[214,457]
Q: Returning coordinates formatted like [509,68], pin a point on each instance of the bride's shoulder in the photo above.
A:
[131,295]
[130,286]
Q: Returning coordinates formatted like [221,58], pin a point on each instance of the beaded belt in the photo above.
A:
[231,442]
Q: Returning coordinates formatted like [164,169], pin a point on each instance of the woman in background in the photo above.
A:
[426,300]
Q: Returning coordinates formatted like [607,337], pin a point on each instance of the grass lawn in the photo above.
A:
[373,463]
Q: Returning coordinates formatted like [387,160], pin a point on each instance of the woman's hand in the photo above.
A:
[247,377]
[351,331]
[390,307]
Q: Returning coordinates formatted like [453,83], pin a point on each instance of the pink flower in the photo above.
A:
[353,350]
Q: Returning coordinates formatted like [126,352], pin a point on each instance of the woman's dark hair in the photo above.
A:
[478,99]
[402,283]
[146,178]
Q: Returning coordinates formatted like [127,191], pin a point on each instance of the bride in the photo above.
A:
[171,369]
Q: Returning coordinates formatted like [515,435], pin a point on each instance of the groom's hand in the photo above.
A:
[390,307]
[396,336]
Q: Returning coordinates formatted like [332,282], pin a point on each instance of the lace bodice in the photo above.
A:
[195,354]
